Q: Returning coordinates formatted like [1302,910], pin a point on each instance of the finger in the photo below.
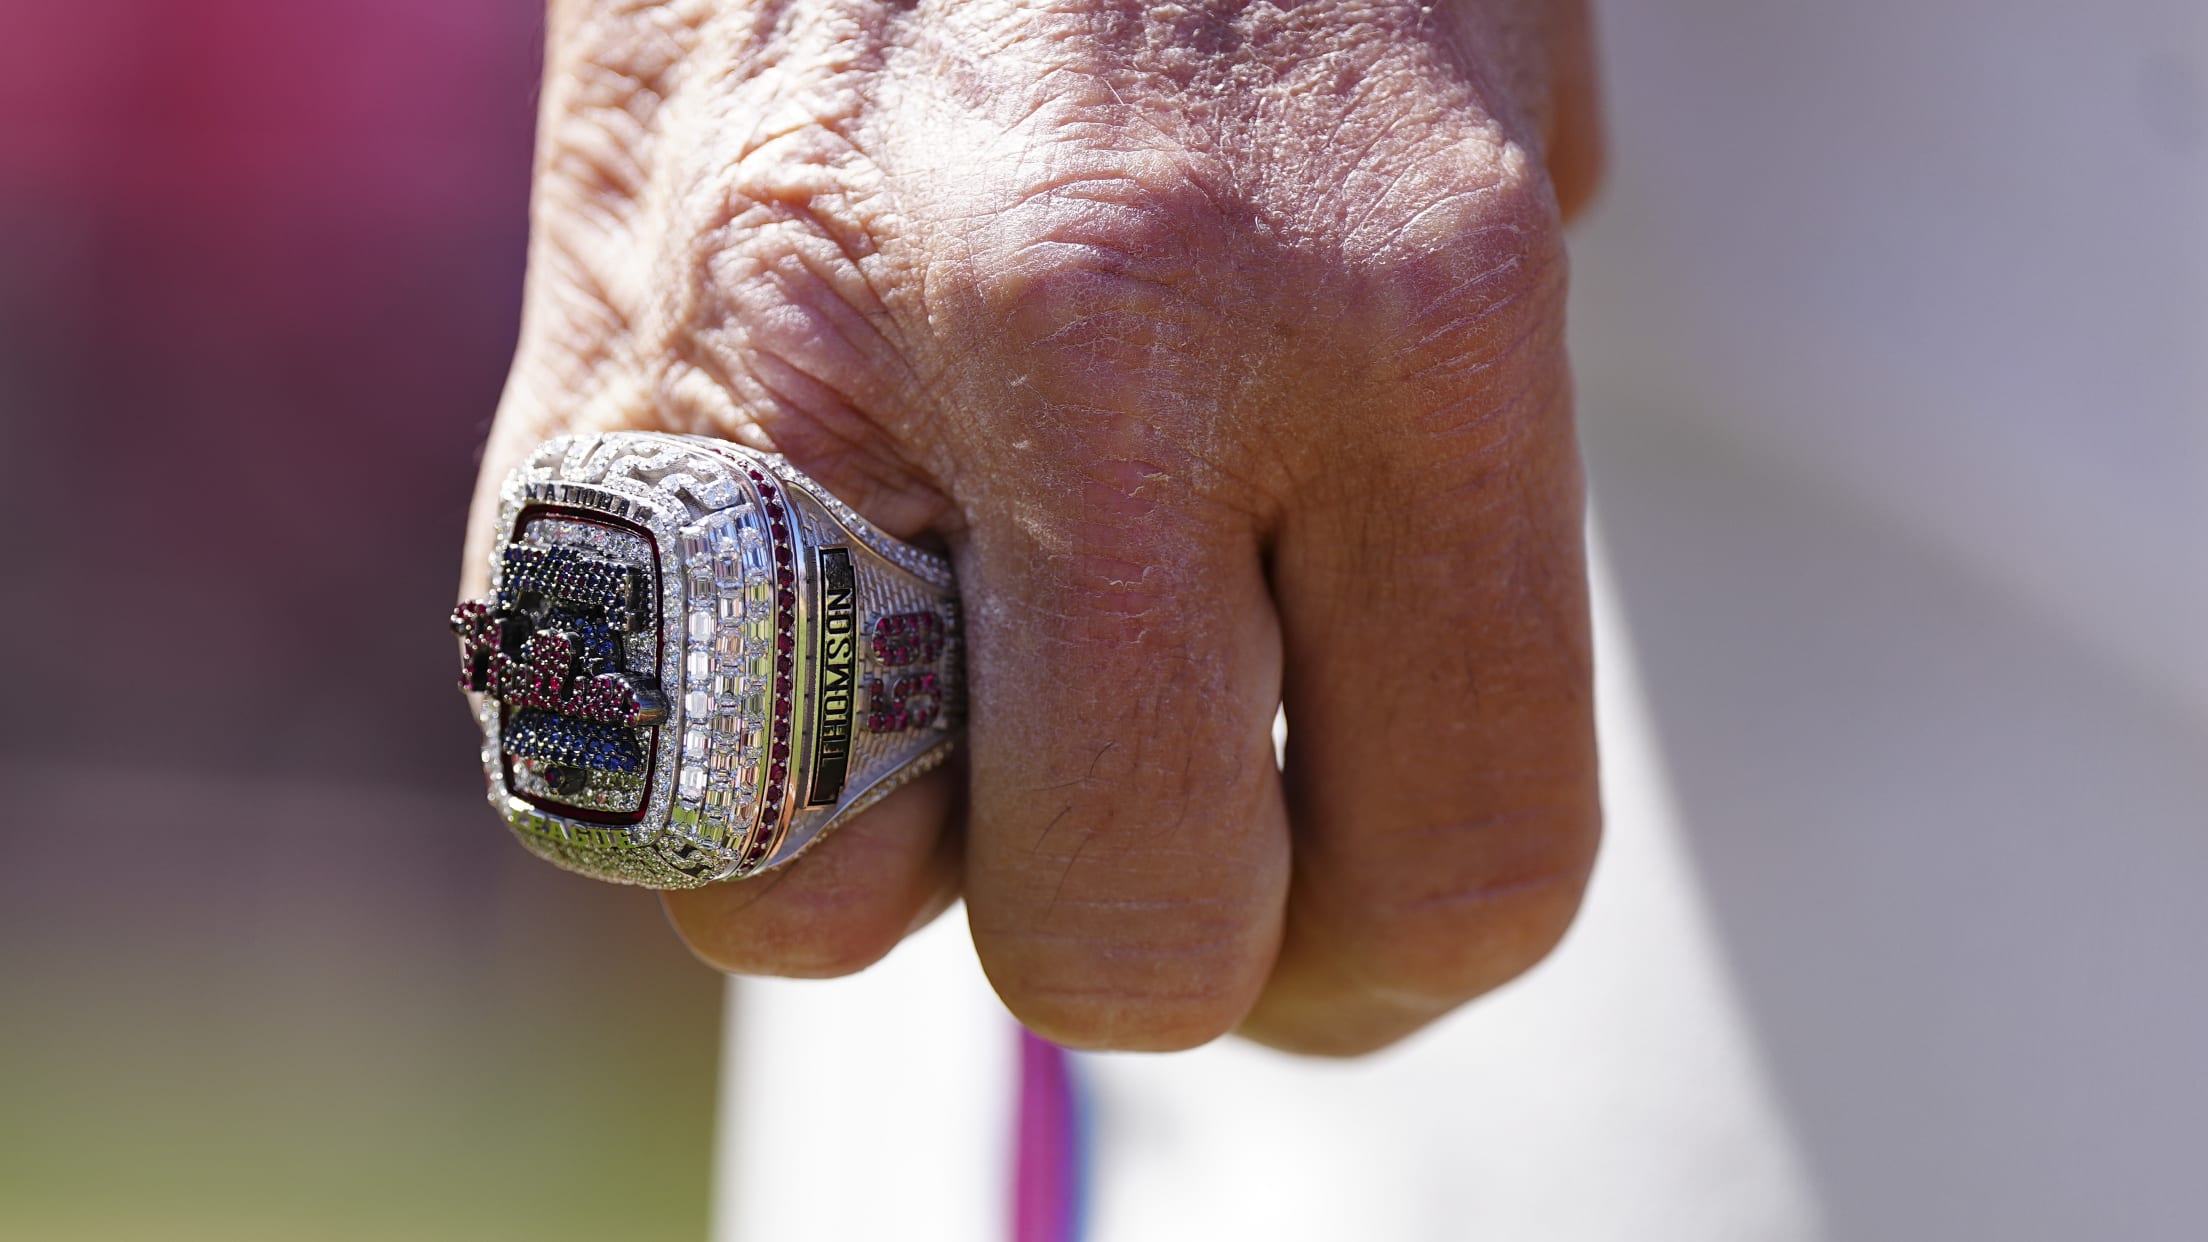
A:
[841,905]
[1127,846]
[1542,55]
[1573,142]
[1440,764]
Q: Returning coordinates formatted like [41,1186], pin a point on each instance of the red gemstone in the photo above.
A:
[784,643]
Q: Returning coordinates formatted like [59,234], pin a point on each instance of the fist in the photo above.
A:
[1219,344]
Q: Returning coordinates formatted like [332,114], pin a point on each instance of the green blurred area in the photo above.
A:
[274,1055]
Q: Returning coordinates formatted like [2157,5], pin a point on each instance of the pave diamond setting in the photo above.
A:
[651,656]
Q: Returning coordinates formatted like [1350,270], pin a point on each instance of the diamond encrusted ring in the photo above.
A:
[694,661]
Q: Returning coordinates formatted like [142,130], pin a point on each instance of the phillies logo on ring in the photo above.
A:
[548,646]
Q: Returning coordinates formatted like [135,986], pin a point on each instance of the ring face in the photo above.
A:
[570,645]
[694,661]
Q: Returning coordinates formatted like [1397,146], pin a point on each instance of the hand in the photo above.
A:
[1221,344]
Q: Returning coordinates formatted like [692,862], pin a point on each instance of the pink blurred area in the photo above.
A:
[277,246]
[260,268]
[151,101]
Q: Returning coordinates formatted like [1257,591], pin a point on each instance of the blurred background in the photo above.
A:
[1895,396]
[1892,339]
[269,968]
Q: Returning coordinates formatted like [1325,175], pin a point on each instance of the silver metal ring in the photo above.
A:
[694,661]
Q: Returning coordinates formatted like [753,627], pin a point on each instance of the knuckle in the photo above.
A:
[777,276]
[615,70]
[1458,299]
[1155,943]
[1099,286]
[1130,1001]
[1104,254]
[1460,934]
[756,306]
[721,279]
[1469,267]
[814,935]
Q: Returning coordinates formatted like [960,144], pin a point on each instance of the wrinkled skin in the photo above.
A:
[1220,344]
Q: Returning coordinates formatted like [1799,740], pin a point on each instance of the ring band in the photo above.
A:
[694,661]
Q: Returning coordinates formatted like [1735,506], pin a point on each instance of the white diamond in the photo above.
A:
[693,742]
[731,608]
[701,626]
[692,783]
[728,569]
[698,664]
[694,546]
[729,644]
[698,703]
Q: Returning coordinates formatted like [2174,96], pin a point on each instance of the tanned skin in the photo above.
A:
[1221,345]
